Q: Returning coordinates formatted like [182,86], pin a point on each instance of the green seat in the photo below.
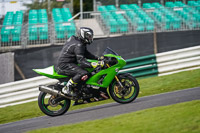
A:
[5,34]
[150,27]
[14,20]
[149,24]
[63,27]
[123,25]
[71,29]
[113,25]
[140,25]
[43,32]
[16,33]
[140,28]
[111,8]
[146,5]
[179,3]
[134,6]
[32,30]
[101,8]
[66,15]
[124,7]
[167,24]
[60,31]
[156,4]
[191,3]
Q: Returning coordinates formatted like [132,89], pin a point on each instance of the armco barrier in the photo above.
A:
[178,60]
[22,91]
[141,66]
[161,64]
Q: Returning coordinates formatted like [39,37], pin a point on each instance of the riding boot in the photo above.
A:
[68,89]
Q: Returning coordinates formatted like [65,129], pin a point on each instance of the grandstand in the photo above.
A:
[12,27]
[36,31]
[109,20]
[62,27]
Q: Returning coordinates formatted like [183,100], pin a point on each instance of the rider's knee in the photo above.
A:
[80,77]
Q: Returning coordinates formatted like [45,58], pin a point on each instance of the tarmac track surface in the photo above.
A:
[102,111]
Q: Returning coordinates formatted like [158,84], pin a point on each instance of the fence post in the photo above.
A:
[155,41]
[162,2]
[24,35]
[139,3]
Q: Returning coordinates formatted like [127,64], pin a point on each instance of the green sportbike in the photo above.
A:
[103,83]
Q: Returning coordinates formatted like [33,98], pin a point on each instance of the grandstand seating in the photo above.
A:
[114,21]
[168,17]
[189,15]
[12,27]
[128,18]
[165,17]
[38,25]
[63,28]
[139,19]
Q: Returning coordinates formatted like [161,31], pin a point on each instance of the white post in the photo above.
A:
[117,3]
[3,8]
[81,9]
[72,6]
[94,5]
[162,2]
[49,6]
[140,3]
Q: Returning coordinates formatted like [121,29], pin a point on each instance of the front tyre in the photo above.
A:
[51,105]
[128,92]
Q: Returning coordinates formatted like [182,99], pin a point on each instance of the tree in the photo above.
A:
[87,6]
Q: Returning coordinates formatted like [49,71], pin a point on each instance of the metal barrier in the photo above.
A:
[22,91]
[178,60]
[160,64]
[141,66]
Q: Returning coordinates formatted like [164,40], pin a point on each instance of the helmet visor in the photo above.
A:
[89,37]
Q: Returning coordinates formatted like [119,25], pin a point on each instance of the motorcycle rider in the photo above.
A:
[75,52]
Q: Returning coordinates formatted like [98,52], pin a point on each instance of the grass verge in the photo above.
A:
[148,86]
[178,118]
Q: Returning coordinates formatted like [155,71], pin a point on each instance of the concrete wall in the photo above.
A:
[6,67]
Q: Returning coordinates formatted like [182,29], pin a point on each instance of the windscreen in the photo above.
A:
[109,51]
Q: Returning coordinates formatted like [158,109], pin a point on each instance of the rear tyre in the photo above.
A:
[50,107]
[128,93]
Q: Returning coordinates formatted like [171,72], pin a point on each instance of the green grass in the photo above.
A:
[149,86]
[177,118]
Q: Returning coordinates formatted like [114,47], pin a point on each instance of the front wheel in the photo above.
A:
[128,92]
[51,105]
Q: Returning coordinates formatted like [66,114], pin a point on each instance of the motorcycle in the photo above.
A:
[103,83]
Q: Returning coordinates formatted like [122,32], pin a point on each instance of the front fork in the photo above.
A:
[117,79]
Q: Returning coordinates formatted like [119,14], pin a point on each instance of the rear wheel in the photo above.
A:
[51,105]
[128,92]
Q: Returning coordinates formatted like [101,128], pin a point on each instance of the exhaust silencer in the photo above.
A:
[52,91]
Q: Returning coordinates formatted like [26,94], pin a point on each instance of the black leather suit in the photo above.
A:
[74,52]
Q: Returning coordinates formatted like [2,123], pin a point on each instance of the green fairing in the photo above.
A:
[49,72]
[109,73]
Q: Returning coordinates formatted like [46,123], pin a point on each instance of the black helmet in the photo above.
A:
[85,35]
